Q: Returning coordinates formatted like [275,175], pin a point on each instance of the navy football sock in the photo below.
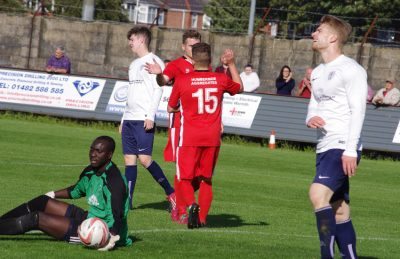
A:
[131,175]
[37,204]
[158,175]
[326,225]
[346,239]
[19,225]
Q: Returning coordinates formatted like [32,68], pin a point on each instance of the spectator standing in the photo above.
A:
[285,83]
[250,79]
[305,85]
[389,95]
[223,68]
[59,63]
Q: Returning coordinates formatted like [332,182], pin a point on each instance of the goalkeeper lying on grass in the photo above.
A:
[106,193]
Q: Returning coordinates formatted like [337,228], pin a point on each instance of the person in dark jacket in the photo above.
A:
[285,83]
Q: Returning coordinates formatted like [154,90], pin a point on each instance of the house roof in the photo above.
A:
[192,5]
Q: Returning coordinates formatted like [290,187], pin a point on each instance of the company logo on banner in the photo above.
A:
[117,101]
[85,86]
[396,137]
[42,89]
[239,110]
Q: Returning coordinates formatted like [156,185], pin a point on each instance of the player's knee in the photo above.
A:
[28,222]
[130,159]
[145,161]
[342,213]
[205,180]
[38,204]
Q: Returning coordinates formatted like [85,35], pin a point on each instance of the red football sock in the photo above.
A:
[205,199]
[187,192]
[180,203]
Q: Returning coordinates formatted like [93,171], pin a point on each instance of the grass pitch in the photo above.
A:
[260,207]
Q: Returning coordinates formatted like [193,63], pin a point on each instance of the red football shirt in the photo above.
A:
[173,69]
[200,94]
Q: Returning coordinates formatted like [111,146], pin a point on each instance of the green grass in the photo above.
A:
[260,207]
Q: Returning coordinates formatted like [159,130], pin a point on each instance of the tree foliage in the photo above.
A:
[11,6]
[231,15]
[358,12]
[104,10]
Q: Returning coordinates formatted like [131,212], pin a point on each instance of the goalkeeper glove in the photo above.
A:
[111,243]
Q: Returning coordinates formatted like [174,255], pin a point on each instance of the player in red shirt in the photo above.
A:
[179,66]
[198,95]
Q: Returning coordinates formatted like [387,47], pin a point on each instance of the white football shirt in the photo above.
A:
[339,92]
[144,94]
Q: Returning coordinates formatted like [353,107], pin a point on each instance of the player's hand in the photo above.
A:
[111,243]
[120,128]
[148,124]
[316,122]
[153,68]
[349,164]
[228,57]
[51,194]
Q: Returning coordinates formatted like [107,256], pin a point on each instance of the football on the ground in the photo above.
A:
[93,232]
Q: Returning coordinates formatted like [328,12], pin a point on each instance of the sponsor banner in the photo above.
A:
[52,90]
[396,137]
[117,101]
[239,110]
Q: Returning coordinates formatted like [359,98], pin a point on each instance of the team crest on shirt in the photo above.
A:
[331,75]
[93,200]
[187,70]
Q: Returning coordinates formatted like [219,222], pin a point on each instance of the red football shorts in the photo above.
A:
[172,145]
[193,162]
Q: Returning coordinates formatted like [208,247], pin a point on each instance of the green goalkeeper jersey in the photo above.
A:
[106,193]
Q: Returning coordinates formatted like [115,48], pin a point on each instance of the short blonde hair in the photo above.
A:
[341,27]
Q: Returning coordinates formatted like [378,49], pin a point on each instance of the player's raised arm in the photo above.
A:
[229,58]
[155,68]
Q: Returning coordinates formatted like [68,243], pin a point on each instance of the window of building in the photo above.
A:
[152,14]
[195,18]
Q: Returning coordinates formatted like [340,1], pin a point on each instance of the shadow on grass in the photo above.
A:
[31,237]
[229,221]
[162,205]
[367,257]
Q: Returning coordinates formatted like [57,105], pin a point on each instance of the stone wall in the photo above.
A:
[101,49]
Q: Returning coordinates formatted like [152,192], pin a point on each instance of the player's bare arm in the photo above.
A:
[229,58]
[155,68]
[316,122]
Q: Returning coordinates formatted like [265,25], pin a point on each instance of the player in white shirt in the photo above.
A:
[137,124]
[337,110]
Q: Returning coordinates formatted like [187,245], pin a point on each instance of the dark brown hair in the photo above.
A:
[201,53]
[192,34]
[142,31]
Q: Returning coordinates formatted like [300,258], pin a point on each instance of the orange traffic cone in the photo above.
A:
[271,143]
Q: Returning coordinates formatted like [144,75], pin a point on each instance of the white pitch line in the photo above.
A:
[244,232]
